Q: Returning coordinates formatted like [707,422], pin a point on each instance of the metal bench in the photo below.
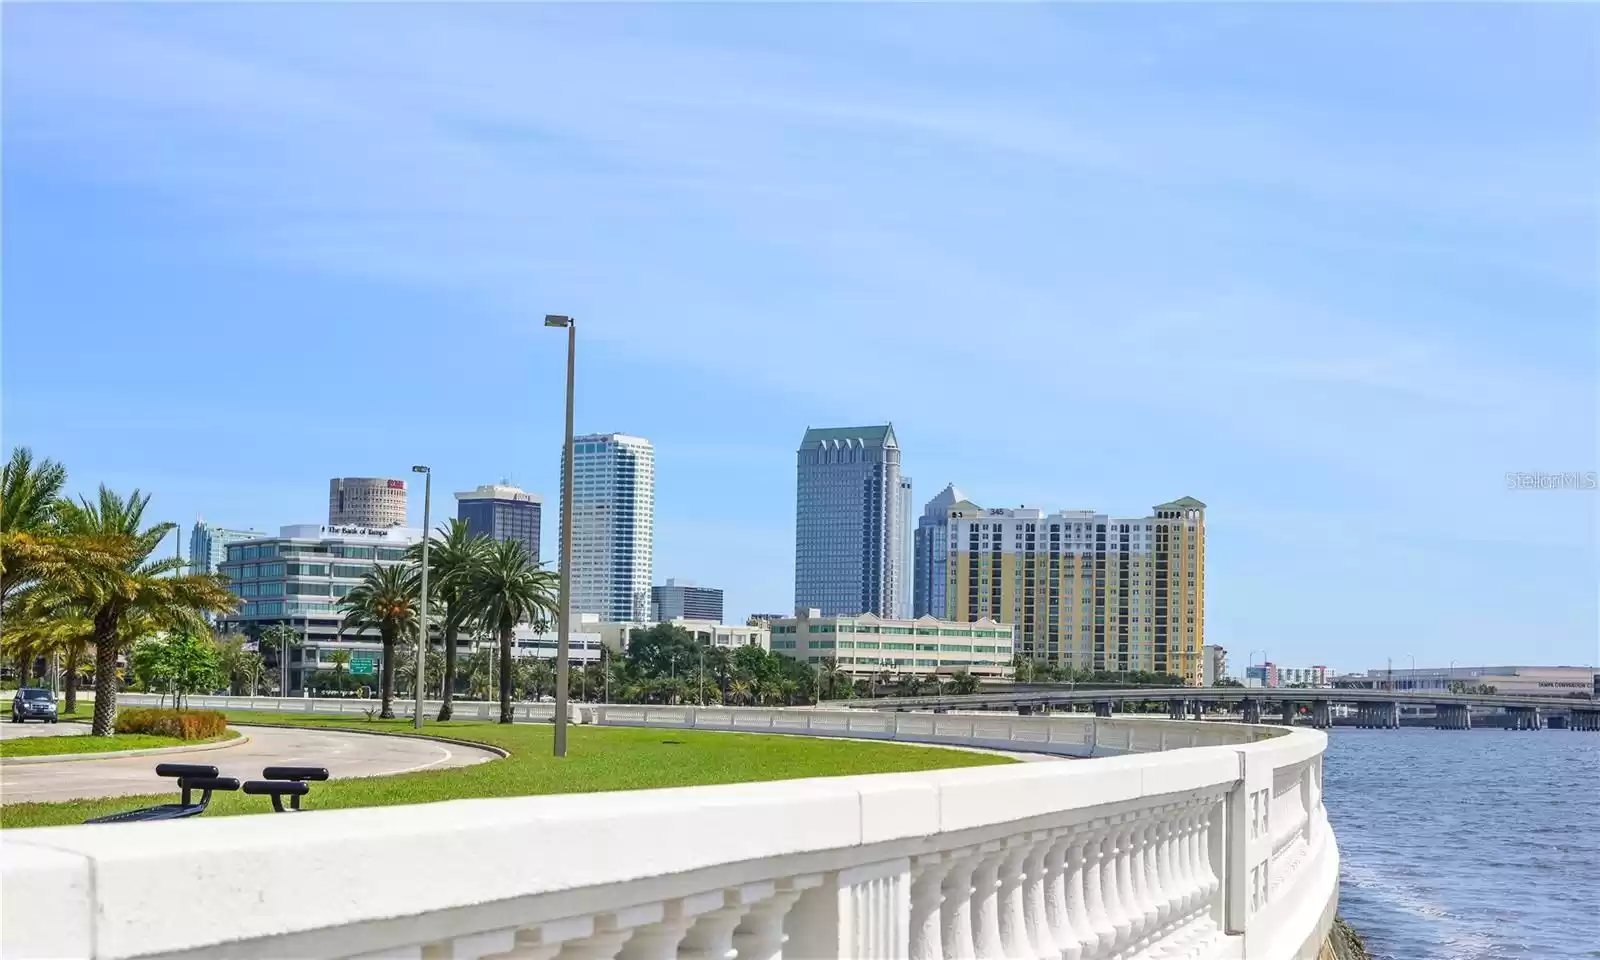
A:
[190,777]
[283,782]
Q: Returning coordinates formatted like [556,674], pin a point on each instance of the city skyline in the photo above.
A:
[1342,319]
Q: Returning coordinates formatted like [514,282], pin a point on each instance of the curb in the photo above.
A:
[238,741]
[499,752]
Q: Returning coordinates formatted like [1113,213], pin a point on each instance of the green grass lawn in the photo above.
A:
[49,746]
[598,759]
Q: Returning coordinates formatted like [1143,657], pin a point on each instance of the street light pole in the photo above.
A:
[422,603]
[564,632]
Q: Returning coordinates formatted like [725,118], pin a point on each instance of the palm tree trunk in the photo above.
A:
[387,713]
[505,674]
[70,681]
[447,695]
[24,661]
[105,683]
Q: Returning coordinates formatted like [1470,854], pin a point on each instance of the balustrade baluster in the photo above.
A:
[1130,916]
[659,940]
[1184,882]
[1057,921]
[955,932]
[1082,939]
[1013,912]
[1040,936]
[1143,879]
[759,935]
[986,903]
[927,894]
[1096,895]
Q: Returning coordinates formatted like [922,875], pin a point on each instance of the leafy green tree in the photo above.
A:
[178,663]
[280,637]
[138,592]
[505,589]
[661,650]
[453,554]
[963,683]
[384,600]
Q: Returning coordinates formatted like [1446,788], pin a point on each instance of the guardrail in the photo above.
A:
[1065,734]
[1220,850]
[526,711]
[1033,694]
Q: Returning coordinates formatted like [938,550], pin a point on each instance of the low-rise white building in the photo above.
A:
[867,645]
[615,635]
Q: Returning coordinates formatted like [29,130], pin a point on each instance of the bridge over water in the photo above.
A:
[1373,708]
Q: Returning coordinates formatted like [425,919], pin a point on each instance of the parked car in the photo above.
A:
[32,703]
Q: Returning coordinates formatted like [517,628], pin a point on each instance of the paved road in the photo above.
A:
[344,754]
[11,731]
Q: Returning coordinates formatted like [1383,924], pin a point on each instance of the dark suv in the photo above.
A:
[31,703]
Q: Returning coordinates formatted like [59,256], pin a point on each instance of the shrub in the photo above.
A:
[183,724]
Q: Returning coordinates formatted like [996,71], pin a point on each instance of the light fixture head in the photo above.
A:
[557,320]
[420,469]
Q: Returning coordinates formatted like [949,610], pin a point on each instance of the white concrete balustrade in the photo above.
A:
[1217,847]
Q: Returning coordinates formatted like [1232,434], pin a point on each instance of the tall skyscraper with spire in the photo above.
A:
[930,566]
[849,541]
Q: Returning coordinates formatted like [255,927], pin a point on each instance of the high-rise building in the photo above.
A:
[931,551]
[502,512]
[298,578]
[1215,666]
[208,545]
[375,502]
[907,549]
[613,526]
[684,600]
[1086,590]
[847,550]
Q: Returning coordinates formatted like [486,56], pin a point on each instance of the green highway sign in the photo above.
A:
[360,664]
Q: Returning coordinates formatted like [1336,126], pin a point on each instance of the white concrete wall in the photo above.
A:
[1212,851]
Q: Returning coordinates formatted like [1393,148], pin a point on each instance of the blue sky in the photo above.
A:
[1332,270]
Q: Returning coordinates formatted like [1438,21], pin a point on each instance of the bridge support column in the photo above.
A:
[1176,708]
[1252,709]
[1454,716]
[1199,709]
[1533,716]
[1585,720]
[1289,710]
[1102,708]
[1391,716]
[1321,715]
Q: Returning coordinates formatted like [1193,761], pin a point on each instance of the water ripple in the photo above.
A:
[1468,844]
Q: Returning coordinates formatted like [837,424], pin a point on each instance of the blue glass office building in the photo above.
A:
[502,512]
[849,541]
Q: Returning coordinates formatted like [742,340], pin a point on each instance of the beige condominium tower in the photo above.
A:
[1084,589]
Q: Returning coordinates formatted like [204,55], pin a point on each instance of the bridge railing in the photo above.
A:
[1212,851]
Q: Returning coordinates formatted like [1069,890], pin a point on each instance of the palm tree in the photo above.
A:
[283,636]
[385,600]
[507,588]
[29,499]
[341,661]
[129,599]
[452,556]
